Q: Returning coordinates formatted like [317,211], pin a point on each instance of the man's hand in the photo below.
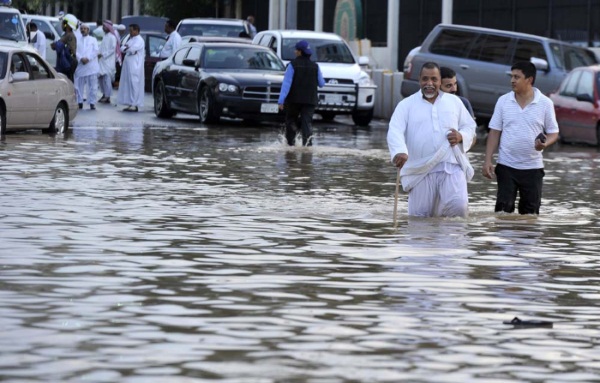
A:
[400,159]
[539,145]
[454,137]
[85,60]
[488,170]
[280,106]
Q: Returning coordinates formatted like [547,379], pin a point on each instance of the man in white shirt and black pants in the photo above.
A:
[173,39]
[428,137]
[522,126]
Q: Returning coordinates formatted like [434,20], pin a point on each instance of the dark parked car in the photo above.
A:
[219,79]
[576,106]
[154,43]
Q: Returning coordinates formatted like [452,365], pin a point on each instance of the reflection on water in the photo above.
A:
[195,254]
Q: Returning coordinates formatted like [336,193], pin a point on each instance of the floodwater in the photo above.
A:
[194,254]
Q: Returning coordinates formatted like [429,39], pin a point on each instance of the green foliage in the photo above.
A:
[180,9]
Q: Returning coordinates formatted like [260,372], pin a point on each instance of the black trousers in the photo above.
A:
[528,183]
[299,115]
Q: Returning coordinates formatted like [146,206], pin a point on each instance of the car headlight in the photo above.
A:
[227,88]
[364,79]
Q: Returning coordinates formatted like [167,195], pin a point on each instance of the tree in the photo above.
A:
[181,9]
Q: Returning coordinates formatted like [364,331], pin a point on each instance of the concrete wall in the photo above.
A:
[388,92]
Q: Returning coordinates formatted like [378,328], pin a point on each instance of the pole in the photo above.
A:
[396,199]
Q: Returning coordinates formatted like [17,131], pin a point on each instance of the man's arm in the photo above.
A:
[395,136]
[493,139]
[288,77]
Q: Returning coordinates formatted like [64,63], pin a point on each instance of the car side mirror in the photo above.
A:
[189,62]
[540,64]
[49,35]
[20,76]
[363,60]
[585,97]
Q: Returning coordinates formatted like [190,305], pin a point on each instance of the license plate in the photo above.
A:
[333,98]
[269,108]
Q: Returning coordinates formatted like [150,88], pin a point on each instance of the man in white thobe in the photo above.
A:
[131,84]
[38,39]
[428,137]
[110,53]
[86,74]
[173,40]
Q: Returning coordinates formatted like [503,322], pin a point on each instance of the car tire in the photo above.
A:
[2,120]
[161,106]
[363,117]
[327,116]
[207,108]
[60,121]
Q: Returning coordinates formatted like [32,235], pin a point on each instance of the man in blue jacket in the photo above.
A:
[299,94]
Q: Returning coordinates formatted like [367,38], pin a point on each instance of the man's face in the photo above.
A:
[84,30]
[518,81]
[449,85]
[133,32]
[430,82]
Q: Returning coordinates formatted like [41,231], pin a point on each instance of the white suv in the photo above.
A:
[12,27]
[348,89]
[50,27]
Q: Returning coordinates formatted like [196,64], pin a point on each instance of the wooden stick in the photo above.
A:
[396,199]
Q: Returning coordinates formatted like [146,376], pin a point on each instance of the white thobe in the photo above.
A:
[40,43]
[87,74]
[131,83]
[418,128]
[108,60]
[173,42]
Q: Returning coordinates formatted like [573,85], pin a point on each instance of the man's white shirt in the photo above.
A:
[173,42]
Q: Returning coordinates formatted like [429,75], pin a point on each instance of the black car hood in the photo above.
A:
[247,77]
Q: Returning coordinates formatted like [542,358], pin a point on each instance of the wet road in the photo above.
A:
[143,251]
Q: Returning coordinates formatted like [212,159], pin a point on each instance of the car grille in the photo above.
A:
[338,81]
[262,93]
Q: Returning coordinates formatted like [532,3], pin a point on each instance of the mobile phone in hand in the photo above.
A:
[541,137]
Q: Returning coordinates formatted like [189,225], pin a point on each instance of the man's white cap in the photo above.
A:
[119,27]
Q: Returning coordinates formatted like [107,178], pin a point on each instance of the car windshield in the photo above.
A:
[3,61]
[569,57]
[324,51]
[11,27]
[200,29]
[241,58]
[56,25]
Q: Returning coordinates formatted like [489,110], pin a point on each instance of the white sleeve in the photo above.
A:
[397,129]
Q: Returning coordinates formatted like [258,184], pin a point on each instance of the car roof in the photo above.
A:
[212,20]
[11,46]
[229,44]
[217,39]
[305,34]
[593,68]
[40,17]
[500,31]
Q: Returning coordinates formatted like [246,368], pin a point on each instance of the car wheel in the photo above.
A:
[362,118]
[327,116]
[207,108]
[161,106]
[2,120]
[60,121]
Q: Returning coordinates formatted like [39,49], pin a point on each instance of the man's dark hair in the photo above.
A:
[33,26]
[135,27]
[528,69]
[429,65]
[446,72]
[171,24]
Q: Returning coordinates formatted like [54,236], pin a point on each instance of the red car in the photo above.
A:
[577,106]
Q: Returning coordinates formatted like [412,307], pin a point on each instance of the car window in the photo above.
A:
[241,58]
[45,28]
[205,29]
[571,84]
[452,42]
[570,57]
[179,56]
[155,45]
[526,49]
[17,64]
[491,48]
[586,84]
[330,51]
[3,61]
[37,68]
[194,54]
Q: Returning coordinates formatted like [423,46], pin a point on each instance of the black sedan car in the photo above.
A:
[219,79]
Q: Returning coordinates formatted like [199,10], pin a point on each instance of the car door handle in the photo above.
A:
[464,66]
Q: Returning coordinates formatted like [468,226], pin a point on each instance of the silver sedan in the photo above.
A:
[32,93]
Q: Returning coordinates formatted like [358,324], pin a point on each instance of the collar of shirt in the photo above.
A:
[536,96]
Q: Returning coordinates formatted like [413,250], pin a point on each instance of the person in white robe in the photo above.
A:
[110,54]
[38,39]
[428,137]
[173,40]
[131,84]
[86,74]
